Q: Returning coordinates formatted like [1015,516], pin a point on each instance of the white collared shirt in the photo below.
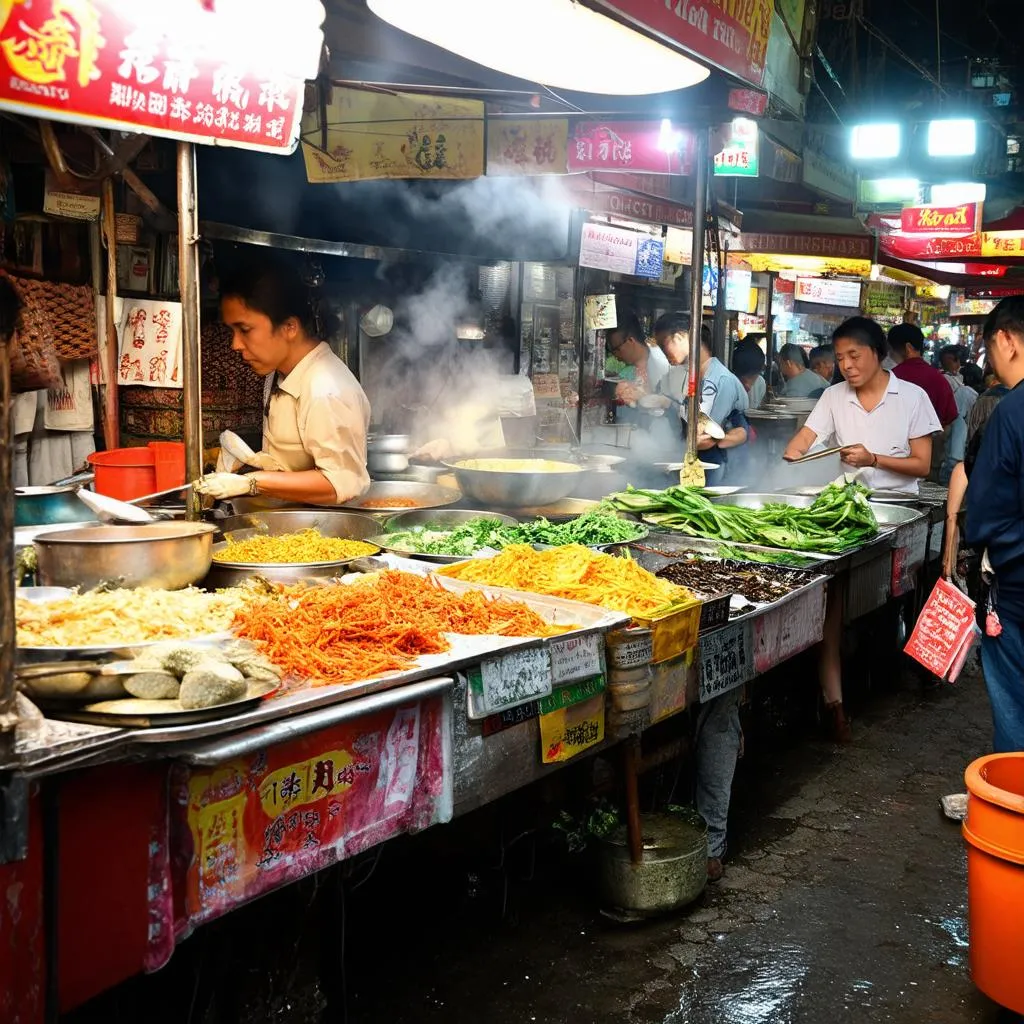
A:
[904,413]
[317,418]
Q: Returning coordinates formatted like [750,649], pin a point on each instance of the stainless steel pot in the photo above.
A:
[386,462]
[672,873]
[516,488]
[46,506]
[388,444]
[169,556]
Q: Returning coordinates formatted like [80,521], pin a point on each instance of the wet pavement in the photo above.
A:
[843,900]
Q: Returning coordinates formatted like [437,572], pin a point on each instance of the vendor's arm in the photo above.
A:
[733,439]
[333,429]
[309,486]
[820,424]
[800,444]
[954,502]
[917,464]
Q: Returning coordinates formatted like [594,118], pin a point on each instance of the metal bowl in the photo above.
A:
[760,500]
[425,496]
[444,518]
[45,506]
[517,488]
[168,556]
[386,462]
[330,523]
[387,444]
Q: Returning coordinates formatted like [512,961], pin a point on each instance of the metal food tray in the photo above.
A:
[465,651]
[811,579]
[707,546]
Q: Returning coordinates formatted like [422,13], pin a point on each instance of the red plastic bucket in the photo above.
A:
[169,463]
[994,831]
[124,473]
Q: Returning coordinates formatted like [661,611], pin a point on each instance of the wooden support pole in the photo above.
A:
[108,345]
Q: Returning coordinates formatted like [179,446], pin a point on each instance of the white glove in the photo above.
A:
[235,453]
[222,485]
[434,451]
[654,402]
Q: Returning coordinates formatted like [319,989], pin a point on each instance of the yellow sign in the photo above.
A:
[39,54]
[1002,243]
[566,732]
[394,135]
[527,147]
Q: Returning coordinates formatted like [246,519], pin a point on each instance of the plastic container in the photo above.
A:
[169,463]
[124,473]
[994,832]
[127,473]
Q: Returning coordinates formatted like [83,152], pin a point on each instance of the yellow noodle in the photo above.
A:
[295,548]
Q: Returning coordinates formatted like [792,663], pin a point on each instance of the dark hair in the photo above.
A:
[821,352]
[1007,316]
[903,335]
[793,354]
[952,350]
[629,324]
[972,375]
[272,288]
[705,336]
[864,331]
[747,360]
[672,323]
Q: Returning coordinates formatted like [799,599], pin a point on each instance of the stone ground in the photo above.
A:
[844,899]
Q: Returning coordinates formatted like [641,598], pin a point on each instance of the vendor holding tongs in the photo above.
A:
[315,414]
[723,421]
[882,425]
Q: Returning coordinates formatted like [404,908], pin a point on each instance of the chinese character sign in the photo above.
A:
[258,822]
[175,69]
[527,147]
[394,135]
[739,158]
[638,146]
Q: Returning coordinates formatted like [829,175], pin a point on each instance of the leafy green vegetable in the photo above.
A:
[762,557]
[599,525]
[839,519]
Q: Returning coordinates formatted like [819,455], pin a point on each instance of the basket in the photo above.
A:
[34,362]
[72,312]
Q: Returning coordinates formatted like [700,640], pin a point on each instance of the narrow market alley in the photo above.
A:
[844,898]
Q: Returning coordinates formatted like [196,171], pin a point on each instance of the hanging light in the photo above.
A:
[530,39]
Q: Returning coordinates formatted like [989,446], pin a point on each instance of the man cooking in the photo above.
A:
[315,414]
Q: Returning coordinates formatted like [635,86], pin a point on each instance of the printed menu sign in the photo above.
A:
[604,247]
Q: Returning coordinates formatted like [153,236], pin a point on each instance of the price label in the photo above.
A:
[567,696]
[568,731]
[508,681]
[512,717]
[726,659]
[576,658]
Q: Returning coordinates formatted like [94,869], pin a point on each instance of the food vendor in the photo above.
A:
[883,424]
[627,344]
[723,398]
[315,414]
[885,428]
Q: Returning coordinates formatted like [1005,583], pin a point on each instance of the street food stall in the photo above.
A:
[188,734]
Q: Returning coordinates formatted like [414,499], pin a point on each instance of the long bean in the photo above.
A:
[839,519]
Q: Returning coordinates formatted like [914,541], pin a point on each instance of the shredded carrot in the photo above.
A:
[576,573]
[341,633]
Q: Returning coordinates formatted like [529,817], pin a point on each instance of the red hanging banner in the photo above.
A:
[730,34]
[178,69]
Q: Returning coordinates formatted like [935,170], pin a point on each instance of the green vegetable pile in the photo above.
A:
[596,526]
[763,557]
[839,519]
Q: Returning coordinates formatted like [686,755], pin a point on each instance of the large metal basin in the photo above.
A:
[46,506]
[757,500]
[168,556]
[894,515]
[444,518]
[672,873]
[516,488]
[346,525]
[425,496]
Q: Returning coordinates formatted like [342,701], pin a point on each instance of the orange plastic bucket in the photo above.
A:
[994,831]
[169,463]
[124,473]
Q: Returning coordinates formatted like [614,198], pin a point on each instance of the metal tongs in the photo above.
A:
[818,455]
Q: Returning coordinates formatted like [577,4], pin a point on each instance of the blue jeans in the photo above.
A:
[717,749]
[1002,658]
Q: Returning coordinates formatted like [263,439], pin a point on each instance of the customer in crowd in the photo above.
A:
[885,426]
[628,344]
[823,363]
[995,525]
[973,377]
[906,345]
[800,380]
[748,362]
[965,397]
